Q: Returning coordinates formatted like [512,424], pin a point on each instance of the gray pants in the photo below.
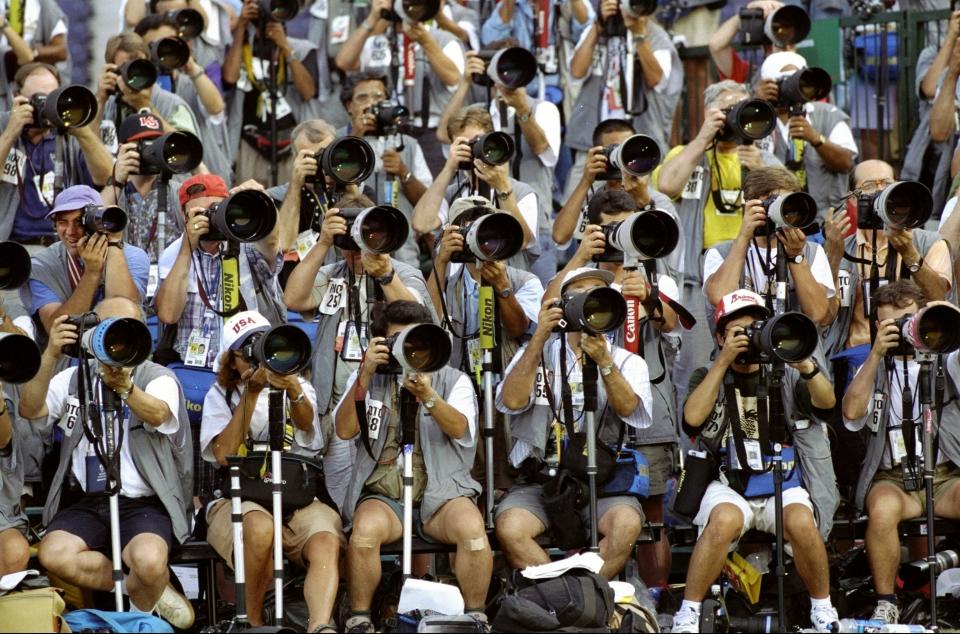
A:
[696,346]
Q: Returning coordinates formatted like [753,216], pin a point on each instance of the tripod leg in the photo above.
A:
[407,510]
[115,551]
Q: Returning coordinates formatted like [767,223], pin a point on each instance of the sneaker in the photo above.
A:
[686,620]
[886,612]
[175,609]
[359,625]
[825,619]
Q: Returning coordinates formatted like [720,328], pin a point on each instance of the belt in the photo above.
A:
[43,241]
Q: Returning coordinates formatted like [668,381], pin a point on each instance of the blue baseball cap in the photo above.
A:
[75,198]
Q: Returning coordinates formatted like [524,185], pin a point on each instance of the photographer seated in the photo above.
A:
[624,398]
[154,469]
[890,486]
[235,421]
[444,447]
[336,296]
[14,548]
[467,127]
[750,260]
[203,281]
[742,497]
[401,176]
[85,266]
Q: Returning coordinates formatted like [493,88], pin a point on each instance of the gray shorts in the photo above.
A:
[530,498]
[662,460]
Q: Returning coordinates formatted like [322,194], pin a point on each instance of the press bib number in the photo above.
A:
[845,289]
[336,296]
[68,421]
[375,413]
[13,167]
[694,187]
[540,389]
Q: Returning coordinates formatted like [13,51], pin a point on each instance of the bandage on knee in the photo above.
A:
[358,541]
[474,545]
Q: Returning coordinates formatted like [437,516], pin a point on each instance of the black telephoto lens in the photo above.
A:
[19,358]
[14,265]
[104,219]
[283,350]
[248,215]
[512,67]
[171,153]
[189,22]
[279,10]
[170,53]
[348,160]
[139,74]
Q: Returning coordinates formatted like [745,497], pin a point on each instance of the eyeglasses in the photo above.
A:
[874,186]
[363,97]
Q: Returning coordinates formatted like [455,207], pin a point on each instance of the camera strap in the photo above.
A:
[732,407]
[717,194]
[517,137]
[635,98]
[229,283]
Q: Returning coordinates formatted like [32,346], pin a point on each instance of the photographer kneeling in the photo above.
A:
[742,497]
[444,445]
[890,483]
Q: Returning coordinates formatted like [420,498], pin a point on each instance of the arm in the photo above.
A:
[450,242]
[518,384]
[857,398]
[33,394]
[228,442]
[98,159]
[450,25]
[20,115]
[515,322]
[726,278]
[583,55]
[234,57]
[811,294]
[394,166]
[819,387]
[298,294]
[302,79]
[53,52]
[148,408]
[209,96]
[675,172]
[524,115]
[620,395]
[449,419]
[172,293]
[6,424]
[652,71]
[835,227]
[118,281]
[721,45]
[943,123]
[701,401]
[836,158]
[496,176]
[459,96]
[928,85]
[441,65]
[348,57]
[380,265]
[579,12]
[93,250]
[20,48]
[934,282]
[426,213]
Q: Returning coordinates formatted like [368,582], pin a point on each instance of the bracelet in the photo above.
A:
[299,399]
[197,74]
[406,177]
[815,372]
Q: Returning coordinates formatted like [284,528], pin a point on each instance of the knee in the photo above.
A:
[257,531]
[626,523]
[54,552]
[471,526]
[367,533]
[725,524]
[510,528]
[798,524]
[883,513]
[149,560]
[18,554]
[322,548]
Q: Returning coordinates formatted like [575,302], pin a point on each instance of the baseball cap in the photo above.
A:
[773,65]
[75,198]
[140,125]
[237,329]
[737,302]
[460,205]
[586,272]
[201,186]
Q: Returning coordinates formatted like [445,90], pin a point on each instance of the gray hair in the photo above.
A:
[712,92]
[314,130]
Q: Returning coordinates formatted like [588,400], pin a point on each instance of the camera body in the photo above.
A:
[170,153]
[596,311]
[391,118]
[64,108]
[83,322]
[748,121]
[931,330]
[347,161]
[248,215]
[795,210]
[902,205]
[789,337]
[803,86]
[283,350]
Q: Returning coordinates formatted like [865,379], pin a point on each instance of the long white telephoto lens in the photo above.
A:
[647,235]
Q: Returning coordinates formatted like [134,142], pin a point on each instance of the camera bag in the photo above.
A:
[576,601]
[563,497]
[302,479]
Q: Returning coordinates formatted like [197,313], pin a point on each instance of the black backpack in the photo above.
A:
[578,600]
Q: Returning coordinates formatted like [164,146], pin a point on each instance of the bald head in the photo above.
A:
[870,171]
[120,307]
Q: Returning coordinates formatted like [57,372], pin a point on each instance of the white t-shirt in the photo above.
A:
[529,211]
[217,414]
[61,406]
[756,260]
[547,117]
[841,134]
[420,169]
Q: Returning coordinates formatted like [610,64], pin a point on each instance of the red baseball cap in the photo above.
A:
[739,301]
[202,186]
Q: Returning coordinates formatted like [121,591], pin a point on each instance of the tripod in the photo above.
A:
[109,400]
[929,467]
[589,413]
[276,425]
[488,341]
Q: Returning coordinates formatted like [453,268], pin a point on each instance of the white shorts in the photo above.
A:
[758,513]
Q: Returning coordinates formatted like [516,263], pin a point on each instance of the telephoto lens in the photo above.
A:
[787,26]
[806,84]
[64,108]
[638,156]
[638,8]
[512,67]
[644,235]
[493,148]
[747,121]
[902,205]
[391,118]
[789,337]
[418,348]
[189,22]
[381,229]
[19,358]
[916,574]
[279,10]
[283,349]
[795,210]
[118,342]
[596,311]
[490,237]
[170,53]
[14,265]
[248,215]
[171,153]
[138,74]
[932,330]
[347,161]
[412,11]
[103,219]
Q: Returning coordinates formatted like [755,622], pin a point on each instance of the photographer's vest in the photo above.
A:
[324,358]
[447,462]
[213,136]
[529,169]
[207,51]
[656,120]
[163,102]
[834,337]
[809,439]
[12,469]
[947,439]
[826,186]
[165,462]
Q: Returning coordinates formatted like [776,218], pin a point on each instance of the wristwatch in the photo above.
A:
[116,243]
[505,293]
[502,196]
[523,118]
[607,370]
[811,374]
[125,395]
[431,402]
[383,280]
[820,141]
[406,177]
[916,266]
[797,259]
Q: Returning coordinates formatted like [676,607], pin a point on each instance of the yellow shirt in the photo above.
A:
[725,169]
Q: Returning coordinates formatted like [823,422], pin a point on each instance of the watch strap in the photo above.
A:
[607,370]
[383,280]
[811,374]
[916,266]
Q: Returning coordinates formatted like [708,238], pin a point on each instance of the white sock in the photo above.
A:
[690,605]
[134,608]
[820,603]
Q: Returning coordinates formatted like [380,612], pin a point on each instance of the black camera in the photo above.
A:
[488,236]
[932,330]
[103,219]
[116,342]
[748,121]
[381,229]
[916,574]
[14,265]
[493,148]
[512,67]
[138,74]
[417,348]
[279,10]
[645,235]
[902,205]
[64,108]
[596,311]
[790,337]
[248,215]
[784,27]
[795,210]
[19,358]
[411,11]
[638,155]
[804,85]
[189,22]
[348,160]
[391,118]
[283,349]
[170,53]
[170,153]
[638,8]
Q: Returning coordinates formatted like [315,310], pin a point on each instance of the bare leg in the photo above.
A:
[321,553]
[14,551]
[374,523]
[68,557]
[887,506]
[517,531]
[654,560]
[257,561]
[809,553]
[620,527]
[146,556]
[706,563]
[459,522]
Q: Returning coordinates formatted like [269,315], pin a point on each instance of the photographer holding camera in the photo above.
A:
[235,421]
[730,64]
[85,266]
[533,377]
[35,33]
[722,411]
[890,483]
[444,447]
[154,463]
[750,260]
[14,548]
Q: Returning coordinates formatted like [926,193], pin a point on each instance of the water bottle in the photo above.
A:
[902,627]
[861,625]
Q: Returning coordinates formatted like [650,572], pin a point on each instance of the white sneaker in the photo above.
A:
[686,620]
[886,612]
[825,619]
[175,609]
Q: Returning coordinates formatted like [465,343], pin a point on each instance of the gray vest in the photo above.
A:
[448,463]
[12,468]
[165,462]
[213,136]
[532,171]
[50,14]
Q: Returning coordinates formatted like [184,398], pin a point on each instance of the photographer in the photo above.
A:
[336,296]
[155,473]
[14,549]
[738,501]
[401,176]
[192,293]
[235,418]
[438,67]
[84,267]
[730,64]
[444,447]
[872,406]
[491,181]
[257,43]
[623,394]
[818,145]
[750,260]
[38,33]
[27,184]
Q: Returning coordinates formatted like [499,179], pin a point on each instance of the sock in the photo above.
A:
[363,615]
[889,598]
[690,605]
[134,608]
[820,603]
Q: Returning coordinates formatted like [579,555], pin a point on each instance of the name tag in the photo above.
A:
[845,290]
[731,198]
[576,388]
[153,280]
[351,341]
[375,413]
[68,421]
[694,187]
[339,29]
[13,167]
[898,447]
[197,347]
[44,185]
[319,9]
[754,456]
[306,241]
[108,136]
[336,296]
[475,352]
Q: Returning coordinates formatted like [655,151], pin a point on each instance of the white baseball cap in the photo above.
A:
[237,329]
[586,272]
[773,65]
[739,301]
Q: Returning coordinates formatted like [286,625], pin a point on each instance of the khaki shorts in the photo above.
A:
[945,476]
[662,460]
[304,524]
